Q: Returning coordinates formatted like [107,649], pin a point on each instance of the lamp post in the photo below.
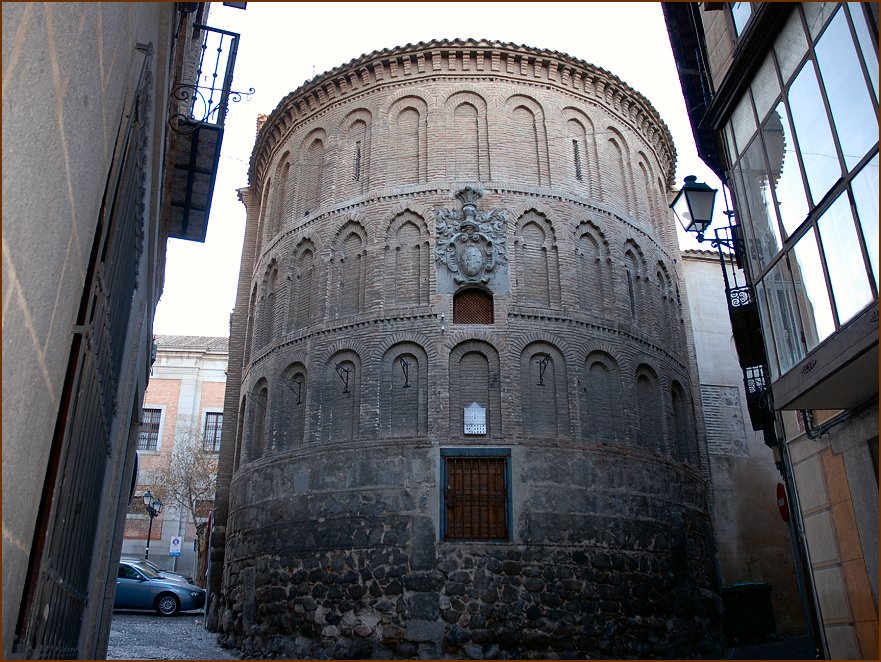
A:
[153,506]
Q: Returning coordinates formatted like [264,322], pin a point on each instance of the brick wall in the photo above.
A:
[341,497]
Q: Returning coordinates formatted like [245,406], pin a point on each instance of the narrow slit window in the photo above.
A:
[358,161]
[576,153]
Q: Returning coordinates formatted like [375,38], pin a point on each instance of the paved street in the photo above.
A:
[146,636]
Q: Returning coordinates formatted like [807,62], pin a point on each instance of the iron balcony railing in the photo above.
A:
[202,94]
[205,95]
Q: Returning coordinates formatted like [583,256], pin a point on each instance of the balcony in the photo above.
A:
[746,328]
[199,103]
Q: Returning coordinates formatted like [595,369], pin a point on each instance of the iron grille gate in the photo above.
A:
[57,586]
[476,499]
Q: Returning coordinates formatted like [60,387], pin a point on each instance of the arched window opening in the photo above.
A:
[258,430]
[649,406]
[292,415]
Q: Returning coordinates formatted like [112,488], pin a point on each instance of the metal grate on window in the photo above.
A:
[476,498]
[148,435]
[211,436]
[473,307]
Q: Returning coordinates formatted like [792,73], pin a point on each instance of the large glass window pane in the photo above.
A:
[852,110]
[844,260]
[744,219]
[789,187]
[768,329]
[816,15]
[741,12]
[757,191]
[814,134]
[729,141]
[765,86]
[783,312]
[810,290]
[865,194]
[867,44]
[743,123]
[790,46]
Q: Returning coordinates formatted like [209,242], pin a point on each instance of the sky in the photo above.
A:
[285,44]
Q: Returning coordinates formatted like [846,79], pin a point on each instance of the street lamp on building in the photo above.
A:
[693,206]
[153,506]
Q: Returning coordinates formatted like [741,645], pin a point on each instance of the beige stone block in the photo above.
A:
[867,636]
[836,478]
[804,448]
[842,642]
[857,581]
[832,594]
[810,484]
[821,538]
[846,531]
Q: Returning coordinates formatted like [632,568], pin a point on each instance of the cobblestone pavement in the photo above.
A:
[147,636]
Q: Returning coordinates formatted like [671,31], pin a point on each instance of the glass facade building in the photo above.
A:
[803,142]
[783,102]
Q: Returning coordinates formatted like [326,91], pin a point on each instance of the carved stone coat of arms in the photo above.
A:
[471,245]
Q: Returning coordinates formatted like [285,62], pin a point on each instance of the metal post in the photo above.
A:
[149,533]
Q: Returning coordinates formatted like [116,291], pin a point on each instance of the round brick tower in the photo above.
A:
[460,395]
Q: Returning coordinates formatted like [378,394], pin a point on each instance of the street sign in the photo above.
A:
[174,549]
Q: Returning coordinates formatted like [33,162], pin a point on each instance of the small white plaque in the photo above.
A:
[475,419]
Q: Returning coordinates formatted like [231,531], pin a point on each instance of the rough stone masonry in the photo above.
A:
[461,418]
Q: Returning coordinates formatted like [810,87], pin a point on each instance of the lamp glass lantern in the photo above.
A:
[693,206]
[151,503]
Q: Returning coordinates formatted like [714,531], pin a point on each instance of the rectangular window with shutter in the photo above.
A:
[476,496]
[148,435]
[211,434]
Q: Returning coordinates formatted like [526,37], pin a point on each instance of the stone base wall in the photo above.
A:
[621,568]
[480,602]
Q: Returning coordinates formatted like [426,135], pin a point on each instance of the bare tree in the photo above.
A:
[191,477]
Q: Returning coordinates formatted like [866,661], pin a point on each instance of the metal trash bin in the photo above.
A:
[749,615]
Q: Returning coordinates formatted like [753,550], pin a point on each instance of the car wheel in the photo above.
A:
[167,604]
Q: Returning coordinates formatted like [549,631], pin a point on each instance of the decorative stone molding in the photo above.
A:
[472,245]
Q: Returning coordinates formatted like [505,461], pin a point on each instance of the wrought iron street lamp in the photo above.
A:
[153,506]
[693,206]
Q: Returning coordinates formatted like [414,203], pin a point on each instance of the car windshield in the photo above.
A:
[148,571]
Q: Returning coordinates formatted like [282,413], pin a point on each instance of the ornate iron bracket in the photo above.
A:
[343,372]
[542,366]
[405,367]
[257,398]
[296,386]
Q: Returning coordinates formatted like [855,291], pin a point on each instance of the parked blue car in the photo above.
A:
[139,587]
[168,574]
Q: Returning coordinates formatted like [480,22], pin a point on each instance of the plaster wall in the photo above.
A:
[753,540]
[69,71]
